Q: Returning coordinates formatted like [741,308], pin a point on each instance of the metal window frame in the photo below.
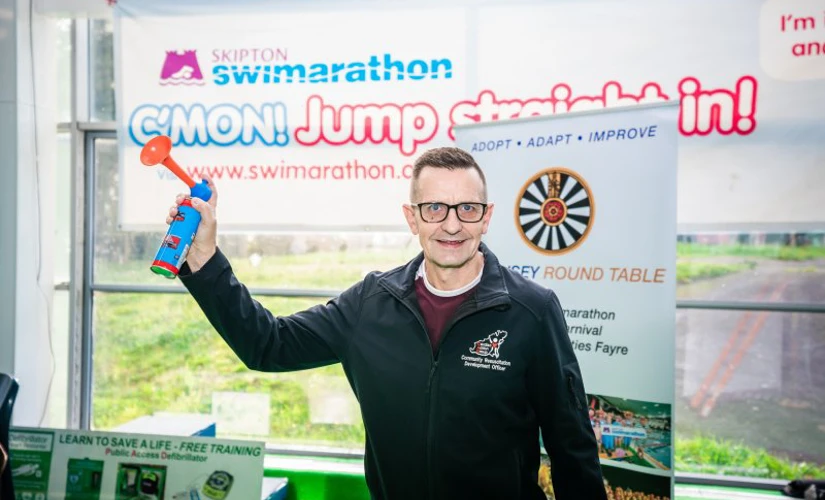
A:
[77,283]
[82,285]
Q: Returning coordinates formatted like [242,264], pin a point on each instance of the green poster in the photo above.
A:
[31,458]
[87,465]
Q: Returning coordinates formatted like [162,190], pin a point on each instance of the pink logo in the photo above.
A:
[181,69]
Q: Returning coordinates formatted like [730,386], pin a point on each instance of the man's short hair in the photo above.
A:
[450,158]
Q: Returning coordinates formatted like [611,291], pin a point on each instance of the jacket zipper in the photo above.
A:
[431,490]
[428,431]
[428,394]
[460,314]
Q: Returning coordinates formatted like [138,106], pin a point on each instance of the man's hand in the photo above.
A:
[206,239]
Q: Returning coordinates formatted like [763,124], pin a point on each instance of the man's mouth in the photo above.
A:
[451,243]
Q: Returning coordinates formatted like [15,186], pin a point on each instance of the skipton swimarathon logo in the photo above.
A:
[490,345]
[267,66]
[554,211]
[181,68]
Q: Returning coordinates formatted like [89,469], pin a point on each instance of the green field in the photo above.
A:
[157,353]
[710,455]
[778,252]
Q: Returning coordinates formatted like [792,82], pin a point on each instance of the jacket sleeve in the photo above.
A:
[559,400]
[315,337]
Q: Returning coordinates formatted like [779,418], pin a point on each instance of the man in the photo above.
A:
[457,363]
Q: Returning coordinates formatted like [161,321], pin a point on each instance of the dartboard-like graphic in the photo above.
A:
[554,211]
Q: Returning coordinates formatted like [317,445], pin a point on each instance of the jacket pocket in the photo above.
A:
[575,387]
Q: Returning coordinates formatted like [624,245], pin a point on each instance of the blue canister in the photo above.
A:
[181,233]
[178,240]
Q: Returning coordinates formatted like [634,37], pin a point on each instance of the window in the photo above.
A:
[750,385]
[157,353]
[101,71]
[751,267]
[750,390]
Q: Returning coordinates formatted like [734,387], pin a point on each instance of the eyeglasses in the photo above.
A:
[434,211]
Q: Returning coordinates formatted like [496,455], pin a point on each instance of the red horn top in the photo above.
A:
[156,150]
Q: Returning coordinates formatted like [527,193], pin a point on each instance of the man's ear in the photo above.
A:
[409,214]
[485,222]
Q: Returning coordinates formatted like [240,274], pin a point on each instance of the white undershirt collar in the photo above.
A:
[422,273]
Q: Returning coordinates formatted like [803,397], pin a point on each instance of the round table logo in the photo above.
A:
[554,211]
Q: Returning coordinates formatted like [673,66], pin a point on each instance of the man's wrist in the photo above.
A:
[197,260]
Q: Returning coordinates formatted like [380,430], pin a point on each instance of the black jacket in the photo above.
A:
[461,424]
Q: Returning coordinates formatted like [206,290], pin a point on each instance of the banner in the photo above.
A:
[77,465]
[585,204]
[310,117]
[101,9]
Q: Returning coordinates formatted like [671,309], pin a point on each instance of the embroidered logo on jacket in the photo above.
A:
[486,353]
[488,347]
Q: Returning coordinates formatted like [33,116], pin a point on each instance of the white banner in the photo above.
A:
[585,204]
[101,9]
[310,117]
[65,464]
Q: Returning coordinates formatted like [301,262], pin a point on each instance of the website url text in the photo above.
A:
[351,170]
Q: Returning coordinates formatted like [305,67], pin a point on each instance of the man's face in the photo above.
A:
[450,243]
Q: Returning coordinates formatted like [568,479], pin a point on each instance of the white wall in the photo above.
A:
[27,161]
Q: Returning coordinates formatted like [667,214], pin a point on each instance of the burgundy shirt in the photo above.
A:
[436,310]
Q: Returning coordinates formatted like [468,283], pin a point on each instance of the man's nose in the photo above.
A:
[451,224]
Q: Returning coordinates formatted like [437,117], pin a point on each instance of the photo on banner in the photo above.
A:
[631,431]
[585,205]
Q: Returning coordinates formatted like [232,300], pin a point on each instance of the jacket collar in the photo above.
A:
[491,290]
